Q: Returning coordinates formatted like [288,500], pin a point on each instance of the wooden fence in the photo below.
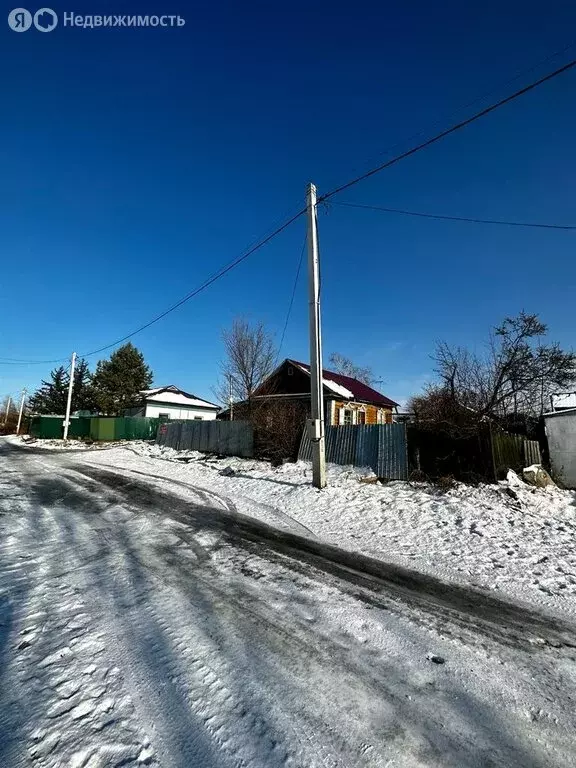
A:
[485,455]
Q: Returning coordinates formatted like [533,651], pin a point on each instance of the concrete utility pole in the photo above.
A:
[69,401]
[24,392]
[7,410]
[316,423]
[231,399]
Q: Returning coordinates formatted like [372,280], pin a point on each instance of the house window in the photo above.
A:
[165,416]
[198,418]
[290,371]
[347,416]
[361,417]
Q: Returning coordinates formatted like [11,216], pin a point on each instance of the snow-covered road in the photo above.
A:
[139,626]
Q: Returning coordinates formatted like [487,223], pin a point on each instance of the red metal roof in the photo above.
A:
[359,390]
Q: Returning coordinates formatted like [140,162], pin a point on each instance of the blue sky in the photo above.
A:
[136,162]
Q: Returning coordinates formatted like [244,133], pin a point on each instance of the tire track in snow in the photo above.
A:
[244,732]
[76,712]
[450,608]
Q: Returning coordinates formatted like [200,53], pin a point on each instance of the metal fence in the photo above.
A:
[380,446]
[227,438]
[99,428]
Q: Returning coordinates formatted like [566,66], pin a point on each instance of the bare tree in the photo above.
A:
[8,418]
[515,375]
[250,358]
[346,367]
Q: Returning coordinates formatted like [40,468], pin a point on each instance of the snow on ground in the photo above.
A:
[482,536]
[135,633]
[60,445]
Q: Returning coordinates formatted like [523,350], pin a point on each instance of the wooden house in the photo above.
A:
[346,400]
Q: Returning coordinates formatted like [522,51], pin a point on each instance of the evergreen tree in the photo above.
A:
[83,396]
[118,381]
[51,397]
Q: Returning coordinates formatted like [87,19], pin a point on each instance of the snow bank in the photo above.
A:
[511,538]
[57,445]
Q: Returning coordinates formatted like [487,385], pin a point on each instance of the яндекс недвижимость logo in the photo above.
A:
[20,20]
[46,20]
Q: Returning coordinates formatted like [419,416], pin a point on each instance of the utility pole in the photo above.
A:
[316,423]
[231,400]
[7,410]
[24,391]
[69,401]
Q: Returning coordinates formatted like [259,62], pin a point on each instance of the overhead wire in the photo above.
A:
[201,288]
[477,99]
[458,126]
[291,304]
[216,276]
[461,124]
[454,218]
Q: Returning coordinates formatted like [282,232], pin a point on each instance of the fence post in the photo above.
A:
[492,451]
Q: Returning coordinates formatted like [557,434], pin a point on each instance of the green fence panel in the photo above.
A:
[34,428]
[51,427]
[110,428]
[119,429]
[102,428]
[79,427]
[140,428]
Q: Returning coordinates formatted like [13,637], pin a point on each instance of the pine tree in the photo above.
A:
[83,396]
[118,381]
[52,395]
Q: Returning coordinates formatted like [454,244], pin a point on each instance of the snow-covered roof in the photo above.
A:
[338,389]
[561,412]
[347,386]
[173,396]
[564,400]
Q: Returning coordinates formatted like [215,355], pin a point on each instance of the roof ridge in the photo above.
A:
[326,374]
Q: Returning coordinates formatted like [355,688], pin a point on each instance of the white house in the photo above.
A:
[173,403]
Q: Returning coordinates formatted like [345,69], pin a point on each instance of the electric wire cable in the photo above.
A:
[454,218]
[216,276]
[322,198]
[291,304]
[458,126]
[476,100]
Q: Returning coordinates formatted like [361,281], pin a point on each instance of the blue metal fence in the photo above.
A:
[382,447]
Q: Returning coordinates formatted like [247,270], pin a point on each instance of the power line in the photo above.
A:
[475,101]
[450,130]
[454,218]
[201,288]
[322,198]
[292,297]
[10,361]
[232,265]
